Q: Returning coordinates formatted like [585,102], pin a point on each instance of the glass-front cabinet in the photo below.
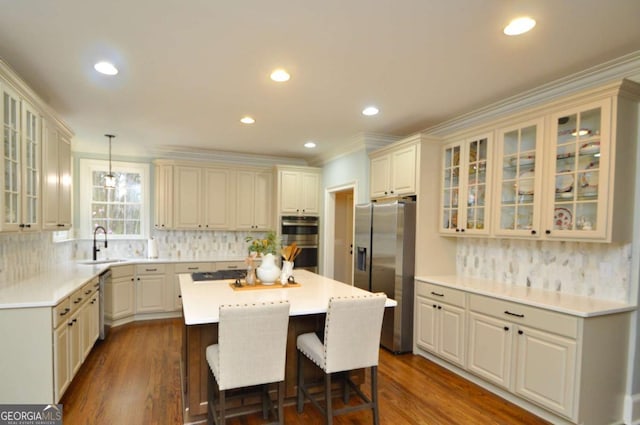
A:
[519,179]
[465,183]
[579,173]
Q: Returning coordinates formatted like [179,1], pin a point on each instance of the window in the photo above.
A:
[123,211]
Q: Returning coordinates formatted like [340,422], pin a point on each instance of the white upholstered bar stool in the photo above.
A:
[250,352]
[351,341]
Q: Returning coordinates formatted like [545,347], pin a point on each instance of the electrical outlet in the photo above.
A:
[606,271]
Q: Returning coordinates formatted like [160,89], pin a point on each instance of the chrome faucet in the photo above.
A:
[95,246]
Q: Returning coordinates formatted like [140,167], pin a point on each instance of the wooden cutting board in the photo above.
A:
[259,285]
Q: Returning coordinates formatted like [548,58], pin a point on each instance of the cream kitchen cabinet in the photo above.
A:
[528,351]
[393,170]
[441,321]
[56,181]
[519,173]
[163,206]
[22,147]
[151,288]
[119,297]
[254,205]
[466,185]
[204,198]
[62,373]
[298,190]
[180,268]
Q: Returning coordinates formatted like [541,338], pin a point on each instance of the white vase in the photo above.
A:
[268,272]
[287,271]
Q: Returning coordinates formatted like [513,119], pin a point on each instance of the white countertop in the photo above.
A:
[48,288]
[200,300]
[574,305]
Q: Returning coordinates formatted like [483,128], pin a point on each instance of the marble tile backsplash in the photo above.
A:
[596,270]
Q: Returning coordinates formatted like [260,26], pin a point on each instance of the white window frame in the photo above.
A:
[87,167]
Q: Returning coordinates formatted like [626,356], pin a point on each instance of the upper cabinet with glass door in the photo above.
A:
[580,149]
[465,183]
[519,179]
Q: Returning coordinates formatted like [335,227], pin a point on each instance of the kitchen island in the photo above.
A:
[201,300]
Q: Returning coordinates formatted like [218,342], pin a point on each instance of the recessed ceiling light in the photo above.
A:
[247,120]
[280,75]
[310,145]
[370,110]
[106,68]
[519,26]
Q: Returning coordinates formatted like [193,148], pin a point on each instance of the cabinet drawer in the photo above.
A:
[546,320]
[230,265]
[61,312]
[143,269]
[441,293]
[121,271]
[194,267]
[77,299]
[90,287]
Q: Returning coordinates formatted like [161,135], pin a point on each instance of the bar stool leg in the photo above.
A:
[281,403]
[374,394]
[327,393]
[300,401]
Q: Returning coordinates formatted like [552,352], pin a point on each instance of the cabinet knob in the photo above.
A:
[462,230]
[547,232]
[439,307]
[506,328]
[533,232]
[520,332]
[392,192]
[435,306]
[385,192]
[457,230]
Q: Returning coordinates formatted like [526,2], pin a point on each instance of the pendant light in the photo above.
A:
[109,179]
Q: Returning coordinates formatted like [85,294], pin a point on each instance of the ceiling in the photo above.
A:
[189,70]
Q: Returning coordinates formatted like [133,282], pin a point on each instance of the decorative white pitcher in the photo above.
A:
[268,272]
[287,271]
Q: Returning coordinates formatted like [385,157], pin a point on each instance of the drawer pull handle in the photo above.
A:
[437,294]
[87,292]
[232,267]
[193,268]
[513,314]
[150,270]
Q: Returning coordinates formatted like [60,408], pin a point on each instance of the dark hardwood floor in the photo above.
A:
[134,378]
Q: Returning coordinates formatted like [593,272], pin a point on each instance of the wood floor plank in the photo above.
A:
[134,378]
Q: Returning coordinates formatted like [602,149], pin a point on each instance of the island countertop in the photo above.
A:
[200,300]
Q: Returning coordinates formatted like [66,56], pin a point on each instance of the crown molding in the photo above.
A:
[213,155]
[627,66]
[361,141]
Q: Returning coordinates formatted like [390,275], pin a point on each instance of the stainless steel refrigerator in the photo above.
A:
[384,262]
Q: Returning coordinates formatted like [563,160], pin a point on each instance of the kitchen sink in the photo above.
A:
[103,261]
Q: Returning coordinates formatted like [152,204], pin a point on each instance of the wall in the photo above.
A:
[589,269]
[350,168]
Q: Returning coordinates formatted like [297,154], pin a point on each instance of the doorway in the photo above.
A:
[343,236]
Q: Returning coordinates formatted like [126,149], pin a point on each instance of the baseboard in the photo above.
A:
[632,409]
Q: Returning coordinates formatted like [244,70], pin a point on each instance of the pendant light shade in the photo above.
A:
[110,179]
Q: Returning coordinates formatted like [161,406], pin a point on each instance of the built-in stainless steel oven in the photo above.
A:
[303,230]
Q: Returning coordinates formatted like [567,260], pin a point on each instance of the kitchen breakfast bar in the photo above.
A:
[308,301]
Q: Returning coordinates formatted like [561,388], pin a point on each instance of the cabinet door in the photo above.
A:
[310,193]
[86,327]
[218,198]
[490,350]
[121,302]
[451,333]
[64,182]
[75,343]
[188,198]
[150,294]
[56,179]
[477,173]
[426,324]
[290,186]
[246,200]
[263,206]
[519,180]
[61,360]
[11,198]
[31,150]
[403,171]
[450,211]
[380,176]
[163,208]
[579,178]
[546,366]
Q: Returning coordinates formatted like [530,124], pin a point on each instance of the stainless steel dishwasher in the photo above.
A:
[103,279]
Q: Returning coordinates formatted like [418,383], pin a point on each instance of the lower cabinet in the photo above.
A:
[150,288]
[568,365]
[119,297]
[440,327]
